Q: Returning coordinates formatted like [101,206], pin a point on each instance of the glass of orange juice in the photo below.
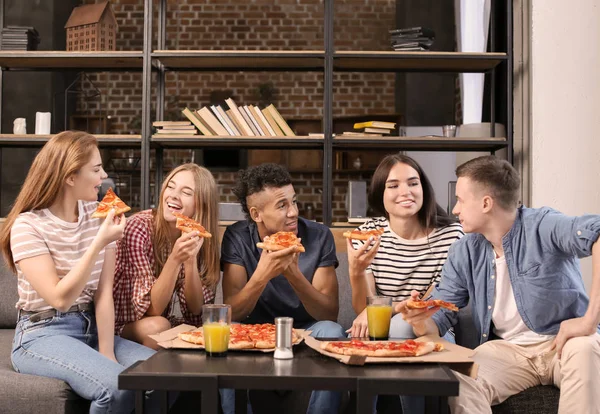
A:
[216,320]
[379,315]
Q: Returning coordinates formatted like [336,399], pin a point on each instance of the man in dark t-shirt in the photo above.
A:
[261,285]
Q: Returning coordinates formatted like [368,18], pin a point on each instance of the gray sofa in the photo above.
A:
[24,394]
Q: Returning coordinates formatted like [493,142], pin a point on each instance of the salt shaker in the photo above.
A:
[283,338]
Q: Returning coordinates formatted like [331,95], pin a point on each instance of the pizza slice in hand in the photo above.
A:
[422,304]
[109,202]
[362,234]
[281,240]
[188,225]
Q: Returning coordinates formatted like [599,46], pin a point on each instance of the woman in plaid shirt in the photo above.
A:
[159,267]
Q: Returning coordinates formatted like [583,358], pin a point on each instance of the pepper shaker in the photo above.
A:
[283,338]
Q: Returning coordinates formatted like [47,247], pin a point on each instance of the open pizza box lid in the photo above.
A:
[169,340]
[454,356]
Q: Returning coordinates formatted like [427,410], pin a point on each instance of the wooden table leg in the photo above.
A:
[140,397]
[241,401]
[210,397]
[436,405]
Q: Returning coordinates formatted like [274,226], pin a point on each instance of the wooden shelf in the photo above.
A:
[246,60]
[421,143]
[60,60]
[195,141]
[31,140]
[384,61]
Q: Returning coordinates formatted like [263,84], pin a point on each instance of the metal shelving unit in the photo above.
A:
[328,61]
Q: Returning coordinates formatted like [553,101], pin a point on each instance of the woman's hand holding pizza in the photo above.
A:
[111,229]
[187,247]
[359,259]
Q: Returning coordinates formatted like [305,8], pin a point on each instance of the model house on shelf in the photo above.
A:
[92,27]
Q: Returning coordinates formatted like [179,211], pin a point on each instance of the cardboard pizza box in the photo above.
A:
[169,340]
[454,356]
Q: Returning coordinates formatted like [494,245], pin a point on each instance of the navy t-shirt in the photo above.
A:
[279,298]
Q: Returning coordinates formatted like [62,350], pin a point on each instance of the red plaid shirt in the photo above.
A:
[134,277]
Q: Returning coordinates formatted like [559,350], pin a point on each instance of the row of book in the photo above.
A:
[412,39]
[371,128]
[19,38]
[242,120]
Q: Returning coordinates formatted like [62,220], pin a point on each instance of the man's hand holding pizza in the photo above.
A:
[272,264]
[420,318]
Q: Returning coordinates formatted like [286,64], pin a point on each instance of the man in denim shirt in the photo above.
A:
[519,268]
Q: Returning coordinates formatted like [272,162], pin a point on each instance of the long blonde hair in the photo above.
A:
[63,155]
[206,201]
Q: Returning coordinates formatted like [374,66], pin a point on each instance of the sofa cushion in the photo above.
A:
[539,399]
[25,394]
[8,296]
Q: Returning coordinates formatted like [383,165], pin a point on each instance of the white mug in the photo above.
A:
[42,123]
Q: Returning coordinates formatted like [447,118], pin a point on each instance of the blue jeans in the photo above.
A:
[400,329]
[320,401]
[65,347]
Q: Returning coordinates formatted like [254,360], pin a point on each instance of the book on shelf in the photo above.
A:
[161,131]
[236,113]
[278,132]
[223,121]
[418,30]
[280,121]
[229,113]
[210,120]
[170,123]
[359,134]
[370,130]
[264,121]
[250,114]
[228,118]
[248,121]
[375,124]
[195,119]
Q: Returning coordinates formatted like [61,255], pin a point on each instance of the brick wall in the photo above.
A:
[255,24]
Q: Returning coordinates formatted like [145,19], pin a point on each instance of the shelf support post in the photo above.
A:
[146,107]
[328,114]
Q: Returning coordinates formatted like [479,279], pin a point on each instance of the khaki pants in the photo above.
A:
[506,369]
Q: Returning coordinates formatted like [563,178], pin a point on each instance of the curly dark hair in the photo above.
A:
[255,179]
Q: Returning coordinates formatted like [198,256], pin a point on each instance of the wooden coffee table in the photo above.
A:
[191,370]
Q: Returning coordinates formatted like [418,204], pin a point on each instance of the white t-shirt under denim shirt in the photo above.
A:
[40,232]
[508,323]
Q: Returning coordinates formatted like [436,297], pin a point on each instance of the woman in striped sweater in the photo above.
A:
[65,262]
[410,253]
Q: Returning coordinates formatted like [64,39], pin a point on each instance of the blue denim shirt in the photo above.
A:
[542,251]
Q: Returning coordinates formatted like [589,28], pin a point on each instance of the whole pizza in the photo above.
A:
[408,348]
[243,336]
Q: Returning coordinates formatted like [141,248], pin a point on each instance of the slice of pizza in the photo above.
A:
[109,202]
[281,240]
[422,304]
[193,337]
[263,335]
[188,225]
[362,234]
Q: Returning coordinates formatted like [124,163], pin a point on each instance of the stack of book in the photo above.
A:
[372,128]
[19,38]
[239,121]
[174,128]
[412,39]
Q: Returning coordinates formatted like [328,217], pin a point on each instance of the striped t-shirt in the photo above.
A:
[402,265]
[39,232]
